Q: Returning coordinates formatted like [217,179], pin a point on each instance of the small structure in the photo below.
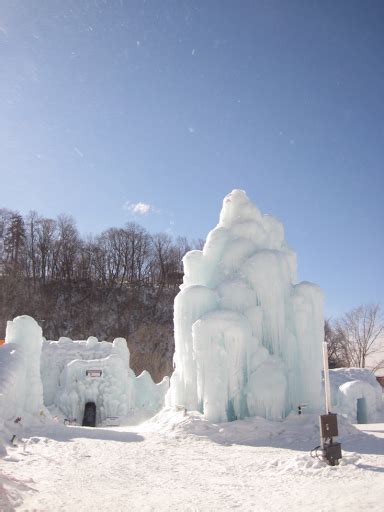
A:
[106,383]
[90,382]
[356,394]
[78,373]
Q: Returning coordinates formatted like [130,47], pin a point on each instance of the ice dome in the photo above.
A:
[356,394]
[248,337]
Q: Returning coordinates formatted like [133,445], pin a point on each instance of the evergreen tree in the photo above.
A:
[14,240]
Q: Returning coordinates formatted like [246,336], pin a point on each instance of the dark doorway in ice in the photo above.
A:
[231,411]
[361,410]
[89,418]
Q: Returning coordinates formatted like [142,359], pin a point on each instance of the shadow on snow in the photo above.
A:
[64,433]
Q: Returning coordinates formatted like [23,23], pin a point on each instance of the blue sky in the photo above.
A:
[174,103]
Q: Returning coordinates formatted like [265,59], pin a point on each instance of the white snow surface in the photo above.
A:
[179,460]
[248,337]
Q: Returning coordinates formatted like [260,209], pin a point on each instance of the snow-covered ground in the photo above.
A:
[183,462]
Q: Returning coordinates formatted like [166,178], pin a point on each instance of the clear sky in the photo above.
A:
[107,104]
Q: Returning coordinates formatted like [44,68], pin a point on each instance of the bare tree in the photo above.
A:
[359,332]
[68,243]
[32,222]
[198,244]
[46,247]
[119,283]
[162,252]
[336,353]
[5,219]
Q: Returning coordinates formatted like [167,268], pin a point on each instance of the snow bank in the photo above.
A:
[247,336]
[297,432]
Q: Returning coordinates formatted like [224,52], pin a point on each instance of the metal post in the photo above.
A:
[328,422]
[327,388]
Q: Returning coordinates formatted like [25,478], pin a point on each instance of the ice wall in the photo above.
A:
[12,382]
[112,392]
[56,355]
[149,396]
[247,335]
[118,392]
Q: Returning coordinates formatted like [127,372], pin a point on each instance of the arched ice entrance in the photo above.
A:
[357,400]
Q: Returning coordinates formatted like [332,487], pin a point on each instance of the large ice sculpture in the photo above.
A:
[247,337]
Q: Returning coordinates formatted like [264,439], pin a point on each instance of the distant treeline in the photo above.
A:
[119,283]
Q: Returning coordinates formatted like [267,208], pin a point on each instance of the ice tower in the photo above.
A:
[25,332]
[247,335]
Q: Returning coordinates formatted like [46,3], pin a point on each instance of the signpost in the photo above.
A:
[94,373]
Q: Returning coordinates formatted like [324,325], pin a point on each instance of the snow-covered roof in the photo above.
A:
[340,376]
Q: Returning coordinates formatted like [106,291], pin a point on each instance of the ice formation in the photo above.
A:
[248,338]
[57,355]
[26,336]
[35,374]
[21,392]
[66,369]
[353,386]
[12,382]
